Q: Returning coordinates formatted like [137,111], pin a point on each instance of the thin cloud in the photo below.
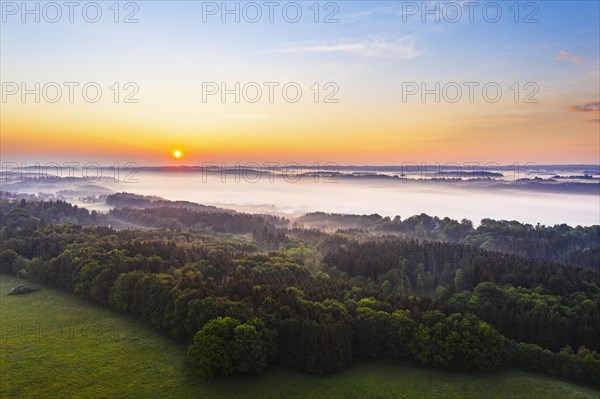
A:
[402,48]
[564,55]
[587,107]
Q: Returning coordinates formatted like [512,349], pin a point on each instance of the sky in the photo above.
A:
[381,83]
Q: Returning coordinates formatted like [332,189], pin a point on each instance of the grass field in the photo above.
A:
[54,346]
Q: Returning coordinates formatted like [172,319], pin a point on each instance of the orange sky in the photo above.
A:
[422,133]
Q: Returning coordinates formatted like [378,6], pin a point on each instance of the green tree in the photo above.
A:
[227,346]
[7,258]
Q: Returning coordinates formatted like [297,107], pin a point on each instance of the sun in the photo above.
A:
[177,154]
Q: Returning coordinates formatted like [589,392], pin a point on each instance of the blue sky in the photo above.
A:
[176,29]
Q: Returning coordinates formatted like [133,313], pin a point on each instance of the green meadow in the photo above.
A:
[54,345]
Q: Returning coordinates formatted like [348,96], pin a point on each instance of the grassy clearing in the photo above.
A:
[54,346]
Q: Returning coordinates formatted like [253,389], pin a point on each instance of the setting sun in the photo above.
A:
[177,154]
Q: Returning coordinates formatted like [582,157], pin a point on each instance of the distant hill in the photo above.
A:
[129,200]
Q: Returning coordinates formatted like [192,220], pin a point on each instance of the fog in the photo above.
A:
[469,200]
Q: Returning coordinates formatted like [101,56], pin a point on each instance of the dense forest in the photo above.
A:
[579,246]
[560,243]
[248,291]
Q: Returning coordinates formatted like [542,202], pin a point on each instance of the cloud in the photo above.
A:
[587,107]
[564,55]
[402,48]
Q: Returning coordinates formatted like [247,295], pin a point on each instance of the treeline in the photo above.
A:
[527,315]
[580,366]
[458,341]
[422,267]
[563,311]
[31,213]
[128,200]
[25,214]
[578,246]
[183,219]
[561,243]
[421,226]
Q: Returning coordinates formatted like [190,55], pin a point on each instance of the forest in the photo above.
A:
[245,292]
